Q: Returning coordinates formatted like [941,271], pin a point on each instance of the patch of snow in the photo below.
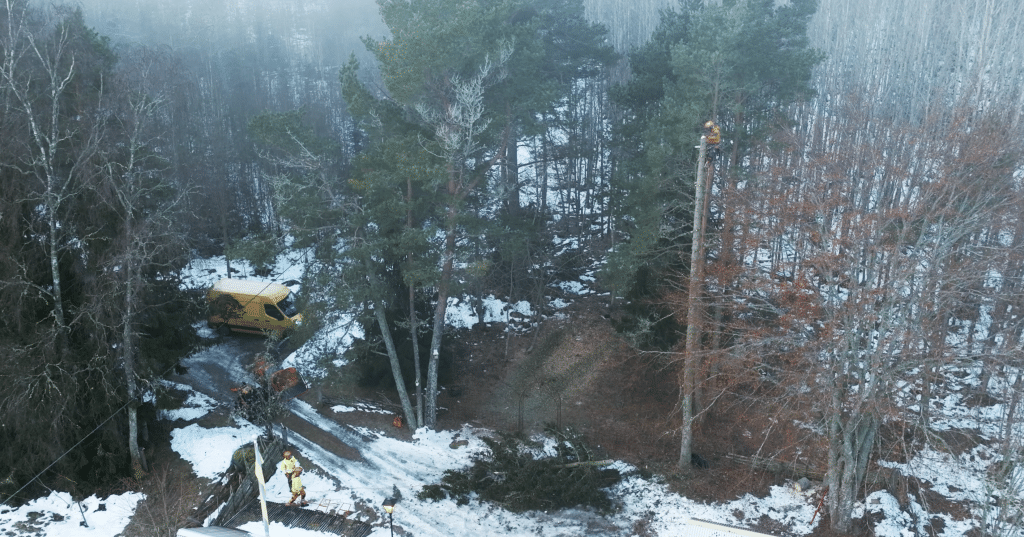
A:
[195,406]
[210,450]
[361,407]
[58,515]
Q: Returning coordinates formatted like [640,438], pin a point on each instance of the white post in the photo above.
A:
[263,486]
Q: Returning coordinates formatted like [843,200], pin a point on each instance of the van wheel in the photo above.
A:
[223,330]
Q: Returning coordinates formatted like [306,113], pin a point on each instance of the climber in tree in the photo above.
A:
[713,135]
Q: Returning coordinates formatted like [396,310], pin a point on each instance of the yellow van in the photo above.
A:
[252,307]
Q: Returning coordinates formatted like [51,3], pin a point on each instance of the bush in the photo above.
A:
[509,475]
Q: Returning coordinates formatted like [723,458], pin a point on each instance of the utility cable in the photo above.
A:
[116,412]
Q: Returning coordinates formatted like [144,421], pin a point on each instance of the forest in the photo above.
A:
[862,230]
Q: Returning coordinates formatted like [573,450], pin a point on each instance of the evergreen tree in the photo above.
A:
[355,218]
[739,63]
[463,82]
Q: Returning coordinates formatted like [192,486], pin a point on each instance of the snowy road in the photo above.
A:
[214,370]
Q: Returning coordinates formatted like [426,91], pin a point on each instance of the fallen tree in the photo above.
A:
[515,474]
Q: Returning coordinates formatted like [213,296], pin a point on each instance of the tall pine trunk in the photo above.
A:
[396,368]
[389,343]
[440,309]
[414,328]
[694,313]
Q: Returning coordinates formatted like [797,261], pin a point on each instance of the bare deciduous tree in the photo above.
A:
[146,205]
[864,273]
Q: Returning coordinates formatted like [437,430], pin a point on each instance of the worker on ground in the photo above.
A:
[298,491]
[287,466]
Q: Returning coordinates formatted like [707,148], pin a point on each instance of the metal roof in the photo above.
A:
[323,518]
[702,528]
[212,531]
[250,287]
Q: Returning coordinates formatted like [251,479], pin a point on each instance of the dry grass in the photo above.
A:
[171,495]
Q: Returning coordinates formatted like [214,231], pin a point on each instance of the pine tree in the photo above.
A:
[463,81]
[738,63]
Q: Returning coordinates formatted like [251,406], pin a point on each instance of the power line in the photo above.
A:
[116,412]
[104,422]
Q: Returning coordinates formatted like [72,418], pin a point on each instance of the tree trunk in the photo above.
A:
[224,233]
[1010,421]
[396,368]
[440,309]
[414,330]
[850,440]
[58,302]
[542,210]
[510,176]
[413,318]
[129,348]
[693,314]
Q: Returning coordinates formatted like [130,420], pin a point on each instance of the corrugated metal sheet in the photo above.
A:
[326,518]
[702,528]
[250,287]
[333,518]
[212,531]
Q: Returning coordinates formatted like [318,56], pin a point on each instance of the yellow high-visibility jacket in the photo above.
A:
[714,135]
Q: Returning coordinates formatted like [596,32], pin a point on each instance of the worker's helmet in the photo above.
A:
[297,470]
[709,124]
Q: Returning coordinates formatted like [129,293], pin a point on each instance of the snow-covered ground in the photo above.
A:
[388,463]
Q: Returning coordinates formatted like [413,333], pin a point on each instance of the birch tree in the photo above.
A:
[45,71]
[146,205]
[51,79]
[86,244]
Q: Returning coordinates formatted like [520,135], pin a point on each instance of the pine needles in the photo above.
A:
[511,474]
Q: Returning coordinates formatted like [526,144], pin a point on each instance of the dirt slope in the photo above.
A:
[576,371]
[571,371]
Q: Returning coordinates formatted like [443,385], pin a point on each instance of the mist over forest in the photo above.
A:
[321,33]
[908,52]
[861,213]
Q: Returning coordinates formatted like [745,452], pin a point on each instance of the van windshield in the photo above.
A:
[288,305]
